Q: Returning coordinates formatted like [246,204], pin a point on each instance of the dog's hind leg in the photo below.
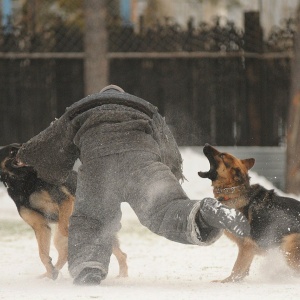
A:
[62,231]
[43,235]
[121,257]
[291,251]
[65,210]
[61,245]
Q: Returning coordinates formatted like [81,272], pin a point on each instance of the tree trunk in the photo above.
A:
[95,43]
[253,43]
[293,134]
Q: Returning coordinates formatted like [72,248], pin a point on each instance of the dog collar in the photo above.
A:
[230,190]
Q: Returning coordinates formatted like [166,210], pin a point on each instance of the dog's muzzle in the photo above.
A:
[17,164]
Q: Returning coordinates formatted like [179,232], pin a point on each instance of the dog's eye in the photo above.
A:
[12,152]
[221,155]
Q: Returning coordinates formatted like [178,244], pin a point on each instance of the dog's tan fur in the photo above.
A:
[231,186]
[40,209]
[42,229]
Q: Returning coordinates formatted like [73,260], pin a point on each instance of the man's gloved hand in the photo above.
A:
[214,214]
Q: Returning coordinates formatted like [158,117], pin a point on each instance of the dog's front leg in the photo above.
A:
[247,251]
[43,236]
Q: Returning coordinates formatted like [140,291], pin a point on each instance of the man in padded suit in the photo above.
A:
[128,154]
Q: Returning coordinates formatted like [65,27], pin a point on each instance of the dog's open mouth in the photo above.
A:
[210,152]
[17,164]
[12,156]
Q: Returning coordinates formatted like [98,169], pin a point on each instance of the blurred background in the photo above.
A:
[224,72]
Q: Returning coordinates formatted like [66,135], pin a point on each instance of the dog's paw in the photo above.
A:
[55,273]
[216,281]
[45,275]
[50,275]
[226,280]
[122,275]
[229,279]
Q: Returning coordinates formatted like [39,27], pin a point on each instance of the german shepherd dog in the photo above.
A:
[39,204]
[274,220]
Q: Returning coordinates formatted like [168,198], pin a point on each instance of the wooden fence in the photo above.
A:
[235,93]
[204,99]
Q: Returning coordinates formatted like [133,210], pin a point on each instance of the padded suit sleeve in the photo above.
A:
[52,152]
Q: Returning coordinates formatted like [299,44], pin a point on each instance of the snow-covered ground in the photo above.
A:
[158,268]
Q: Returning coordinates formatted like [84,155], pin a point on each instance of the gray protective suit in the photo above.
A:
[128,154]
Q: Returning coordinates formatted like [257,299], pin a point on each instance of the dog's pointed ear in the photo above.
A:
[248,163]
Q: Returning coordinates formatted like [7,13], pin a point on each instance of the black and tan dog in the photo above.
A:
[40,204]
[274,220]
